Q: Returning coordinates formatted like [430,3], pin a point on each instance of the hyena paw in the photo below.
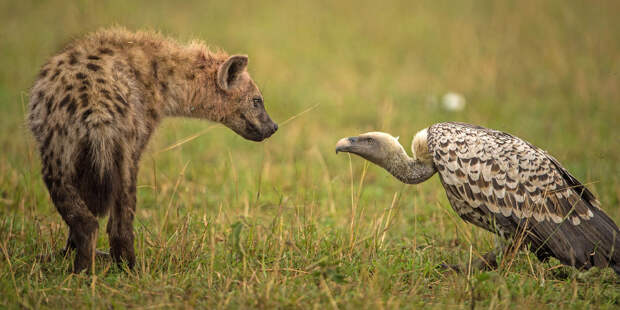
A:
[123,252]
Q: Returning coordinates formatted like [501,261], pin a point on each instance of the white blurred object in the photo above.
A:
[453,102]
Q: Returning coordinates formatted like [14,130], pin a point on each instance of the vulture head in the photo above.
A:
[385,151]
[377,147]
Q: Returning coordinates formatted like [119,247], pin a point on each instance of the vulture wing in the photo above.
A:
[507,185]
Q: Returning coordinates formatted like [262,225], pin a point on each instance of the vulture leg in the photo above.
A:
[486,262]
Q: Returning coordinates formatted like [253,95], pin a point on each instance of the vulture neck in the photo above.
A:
[407,169]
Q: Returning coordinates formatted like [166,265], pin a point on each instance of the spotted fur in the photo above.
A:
[94,106]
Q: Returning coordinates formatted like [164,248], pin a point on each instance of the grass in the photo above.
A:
[227,223]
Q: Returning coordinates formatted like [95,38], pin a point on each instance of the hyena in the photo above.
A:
[94,106]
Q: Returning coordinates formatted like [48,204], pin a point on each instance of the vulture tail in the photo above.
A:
[592,242]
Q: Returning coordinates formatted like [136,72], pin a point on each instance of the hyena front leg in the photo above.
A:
[71,245]
[120,224]
[83,225]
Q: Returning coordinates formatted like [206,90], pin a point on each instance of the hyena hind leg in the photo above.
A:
[83,225]
[120,223]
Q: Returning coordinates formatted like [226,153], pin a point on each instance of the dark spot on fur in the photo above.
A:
[84,99]
[136,74]
[108,108]
[72,106]
[201,67]
[93,67]
[69,87]
[47,140]
[106,51]
[61,130]
[50,103]
[150,126]
[80,76]
[190,76]
[106,93]
[170,71]
[65,101]
[153,114]
[35,103]
[93,57]
[56,73]
[86,114]
[119,109]
[73,58]
[164,86]
[85,82]
[100,81]
[49,181]
[43,73]
[83,88]
[154,66]
[60,63]
[44,159]
[121,100]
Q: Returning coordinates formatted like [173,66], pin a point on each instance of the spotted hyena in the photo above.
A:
[94,106]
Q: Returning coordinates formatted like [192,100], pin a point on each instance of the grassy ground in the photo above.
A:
[227,223]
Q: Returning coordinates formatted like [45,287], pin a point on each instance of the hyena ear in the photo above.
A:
[230,70]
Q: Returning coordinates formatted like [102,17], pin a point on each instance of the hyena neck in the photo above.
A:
[183,81]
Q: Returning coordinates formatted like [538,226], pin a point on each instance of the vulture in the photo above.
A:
[505,185]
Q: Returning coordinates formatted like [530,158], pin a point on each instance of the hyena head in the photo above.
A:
[247,117]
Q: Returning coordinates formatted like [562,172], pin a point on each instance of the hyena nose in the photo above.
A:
[274,128]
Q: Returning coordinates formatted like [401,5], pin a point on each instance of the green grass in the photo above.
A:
[227,223]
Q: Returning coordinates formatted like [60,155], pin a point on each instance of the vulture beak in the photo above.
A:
[346,144]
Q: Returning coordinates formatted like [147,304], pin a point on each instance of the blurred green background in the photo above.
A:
[224,222]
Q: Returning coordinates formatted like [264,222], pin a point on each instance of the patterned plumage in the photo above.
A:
[510,187]
[506,185]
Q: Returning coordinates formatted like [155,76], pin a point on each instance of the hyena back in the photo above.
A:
[94,106]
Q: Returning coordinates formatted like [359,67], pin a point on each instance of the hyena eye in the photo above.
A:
[258,101]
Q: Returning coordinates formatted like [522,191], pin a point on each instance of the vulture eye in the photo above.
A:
[258,101]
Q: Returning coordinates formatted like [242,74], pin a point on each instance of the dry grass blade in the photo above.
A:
[299,114]
[188,139]
[174,191]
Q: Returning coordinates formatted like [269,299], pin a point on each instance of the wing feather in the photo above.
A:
[507,173]
[491,174]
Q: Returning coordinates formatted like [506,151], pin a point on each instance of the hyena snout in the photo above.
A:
[264,129]
[270,128]
[251,126]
